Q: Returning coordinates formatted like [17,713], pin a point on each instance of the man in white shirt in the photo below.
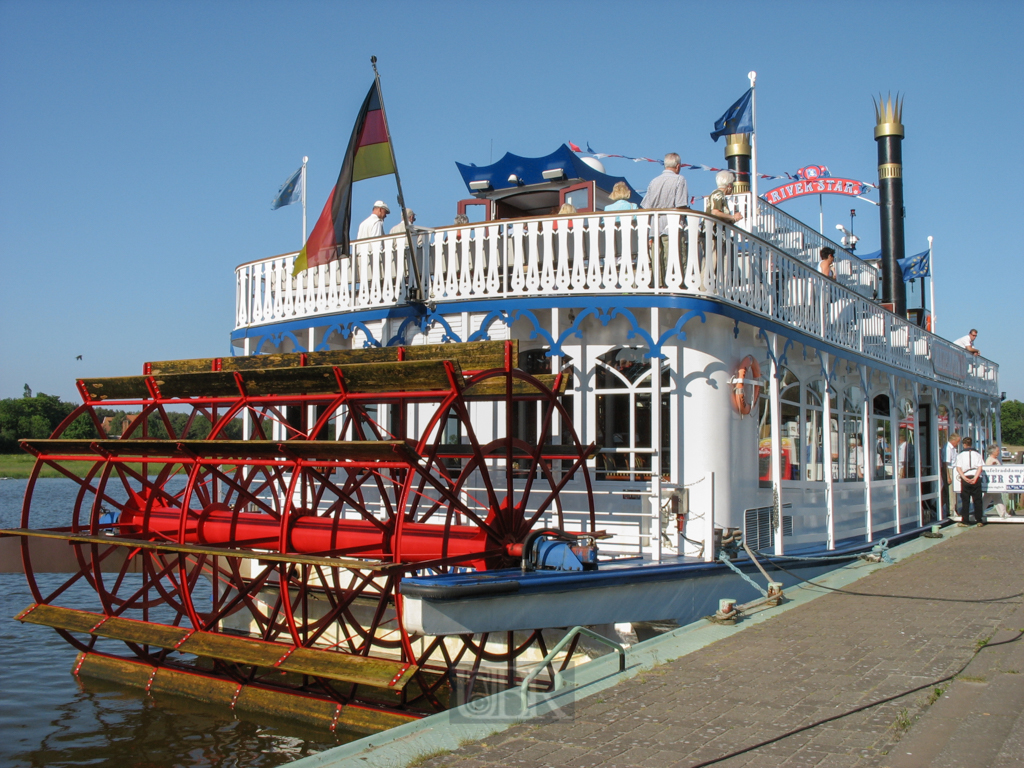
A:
[967,342]
[373,225]
[969,465]
[949,452]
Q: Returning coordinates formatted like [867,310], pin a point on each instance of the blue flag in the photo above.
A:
[290,192]
[918,265]
[738,118]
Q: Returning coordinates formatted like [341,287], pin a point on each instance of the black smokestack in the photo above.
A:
[737,155]
[889,137]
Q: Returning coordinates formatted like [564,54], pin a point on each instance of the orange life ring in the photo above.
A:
[748,366]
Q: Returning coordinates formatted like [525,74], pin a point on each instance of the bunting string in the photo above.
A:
[798,176]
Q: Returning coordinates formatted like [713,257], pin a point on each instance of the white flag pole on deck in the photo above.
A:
[931,283]
[304,161]
[753,154]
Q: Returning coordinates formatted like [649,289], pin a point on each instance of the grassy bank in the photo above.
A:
[19,466]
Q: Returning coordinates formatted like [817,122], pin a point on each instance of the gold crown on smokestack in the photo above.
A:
[888,116]
[737,144]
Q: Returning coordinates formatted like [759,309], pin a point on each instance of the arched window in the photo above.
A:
[789,402]
[853,434]
[905,447]
[814,439]
[622,386]
[881,451]
[943,424]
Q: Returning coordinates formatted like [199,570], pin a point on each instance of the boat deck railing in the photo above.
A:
[594,254]
[795,238]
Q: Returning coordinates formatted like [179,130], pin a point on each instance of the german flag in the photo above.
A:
[368,155]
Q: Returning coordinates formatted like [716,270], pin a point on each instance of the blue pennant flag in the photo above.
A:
[918,265]
[290,192]
[737,119]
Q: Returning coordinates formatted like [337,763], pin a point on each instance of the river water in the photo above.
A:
[48,717]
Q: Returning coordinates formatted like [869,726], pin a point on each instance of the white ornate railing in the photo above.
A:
[597,254]
[792,236]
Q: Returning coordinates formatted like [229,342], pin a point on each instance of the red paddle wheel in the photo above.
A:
[262,569]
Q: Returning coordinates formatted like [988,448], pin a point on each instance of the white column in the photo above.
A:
[246,423]
[917,451]
[827,448]
[655,442]
[894,428]
[866,435]
[776,417]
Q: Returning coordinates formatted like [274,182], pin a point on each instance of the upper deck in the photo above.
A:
[772,275]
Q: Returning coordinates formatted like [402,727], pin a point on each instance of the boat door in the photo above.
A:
[929,472]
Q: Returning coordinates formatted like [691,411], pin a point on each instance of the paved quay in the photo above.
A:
[804,683]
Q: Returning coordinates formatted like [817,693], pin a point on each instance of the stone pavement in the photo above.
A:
[818,661]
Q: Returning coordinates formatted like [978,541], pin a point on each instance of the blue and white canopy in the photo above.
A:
[530,170]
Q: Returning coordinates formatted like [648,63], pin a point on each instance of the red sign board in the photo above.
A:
[826,186]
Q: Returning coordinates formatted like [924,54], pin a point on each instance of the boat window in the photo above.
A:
[623,412]
[905,447]
[764,443]
[813,437]
[853,434]
[882,446]
[789,407]
[943,425]
[790,426]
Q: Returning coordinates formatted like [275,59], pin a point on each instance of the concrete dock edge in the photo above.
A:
[446,731]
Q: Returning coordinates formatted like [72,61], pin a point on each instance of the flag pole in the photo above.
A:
[931,282]
[753,151]
[414,271]
[304,161]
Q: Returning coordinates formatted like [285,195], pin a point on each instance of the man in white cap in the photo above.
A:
[373,225]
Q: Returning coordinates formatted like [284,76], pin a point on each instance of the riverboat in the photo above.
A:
[458,441]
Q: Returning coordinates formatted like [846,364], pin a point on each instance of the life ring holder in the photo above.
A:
[748,374]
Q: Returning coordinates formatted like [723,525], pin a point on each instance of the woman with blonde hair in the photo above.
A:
[620,198]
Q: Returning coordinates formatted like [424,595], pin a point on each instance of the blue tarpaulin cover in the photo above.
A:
[529,170]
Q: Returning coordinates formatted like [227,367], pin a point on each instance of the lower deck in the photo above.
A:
[654,385]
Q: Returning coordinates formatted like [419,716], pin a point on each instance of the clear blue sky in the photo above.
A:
[142,142]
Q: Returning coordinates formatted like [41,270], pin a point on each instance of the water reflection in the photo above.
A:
[50,718]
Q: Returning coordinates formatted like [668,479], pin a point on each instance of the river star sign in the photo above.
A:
[829,186]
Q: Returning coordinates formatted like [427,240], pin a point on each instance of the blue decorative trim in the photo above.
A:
[782,360]
[827,374]
[603,315]
[424,322]
[346,329]
[501,307]
[677,329]
[277,339]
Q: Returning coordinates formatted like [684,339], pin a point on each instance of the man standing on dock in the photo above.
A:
[969,468]
[949,451]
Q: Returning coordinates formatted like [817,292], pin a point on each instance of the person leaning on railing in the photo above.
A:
[668,191]
[718,203]
[827,266]
[620,202]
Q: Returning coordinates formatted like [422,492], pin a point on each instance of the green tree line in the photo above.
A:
[1011,418]
[34,417]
